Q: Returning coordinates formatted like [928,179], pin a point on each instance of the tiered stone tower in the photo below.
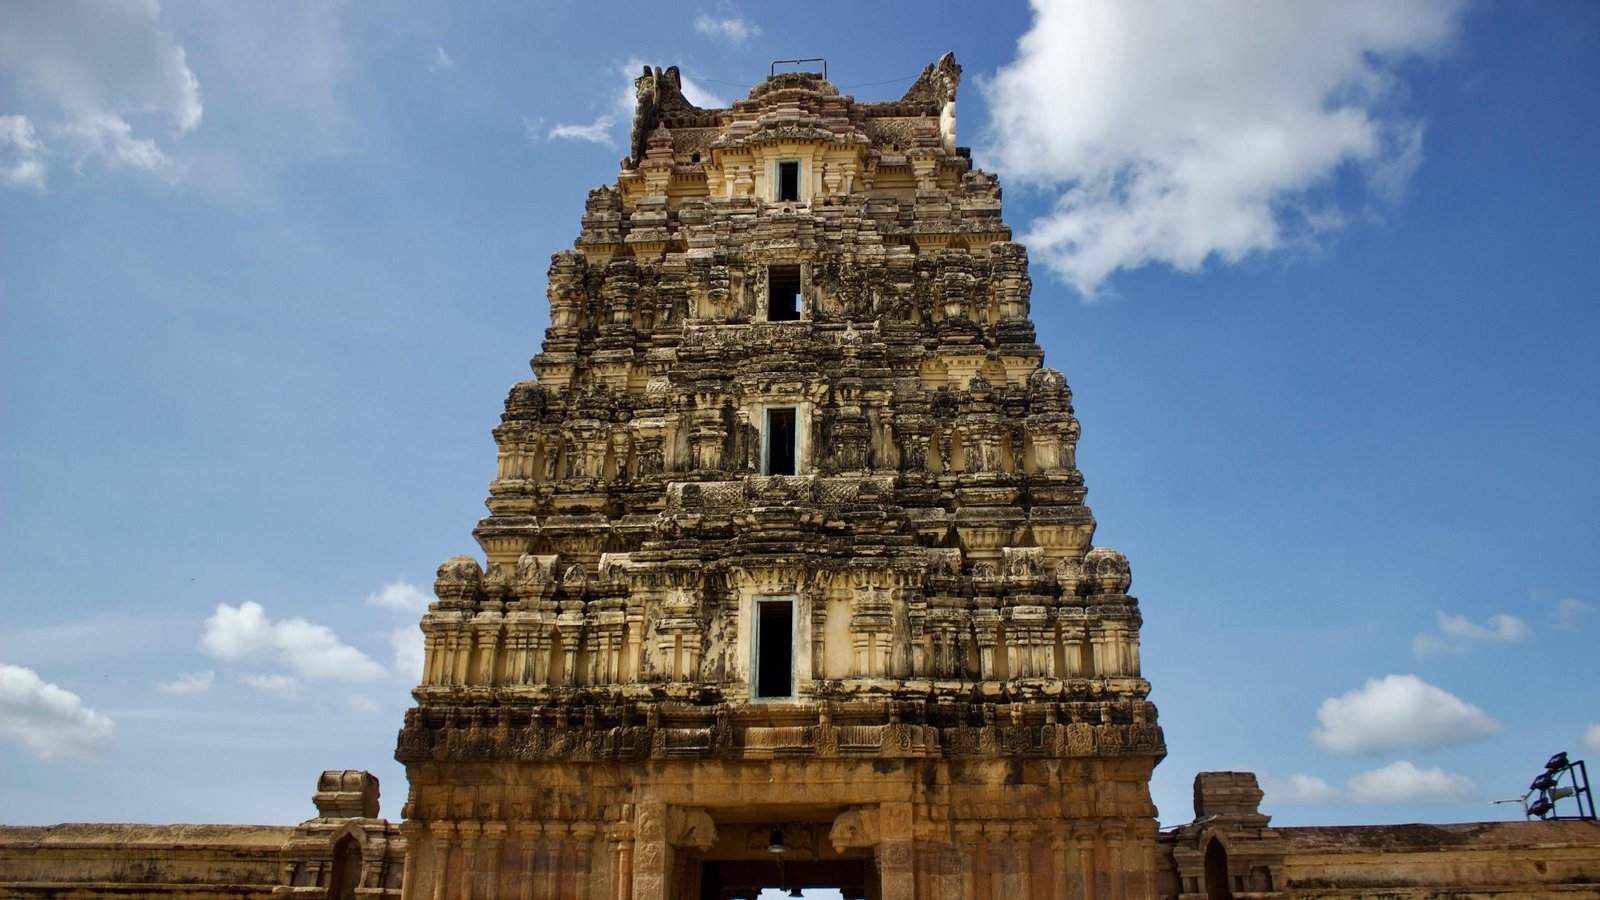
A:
[789,574]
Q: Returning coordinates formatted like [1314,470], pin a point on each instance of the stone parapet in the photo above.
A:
[334,856]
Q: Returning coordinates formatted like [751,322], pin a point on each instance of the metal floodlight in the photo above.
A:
[775,841]
[1547,790]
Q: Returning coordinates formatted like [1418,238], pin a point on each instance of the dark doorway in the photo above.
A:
[789,180]
[783,293]
[1218,885]
[745,878]
[775,648]
[780,440]
[346,875]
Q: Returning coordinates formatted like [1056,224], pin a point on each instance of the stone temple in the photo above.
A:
[789,582]
[787,548]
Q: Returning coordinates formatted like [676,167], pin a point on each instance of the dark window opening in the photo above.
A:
[789,180]
[783,293]
[781,441]
[775,648]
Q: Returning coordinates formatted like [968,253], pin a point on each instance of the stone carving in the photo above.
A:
[853,828]
[791,508]
[692,828]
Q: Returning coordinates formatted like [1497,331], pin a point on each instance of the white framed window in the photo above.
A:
[783,293]
[772,662]
[780,441]
[788,180]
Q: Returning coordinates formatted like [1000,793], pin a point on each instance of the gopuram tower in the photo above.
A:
[789,579]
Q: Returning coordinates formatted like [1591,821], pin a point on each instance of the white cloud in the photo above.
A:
[1427,645]
[598,131]
[49,721]
[189,683]
[1458,634]
[1570,611]
[363,705]
[409,651]
[1401,781]
[245,634]
[1591,739]
[1183,132]
[604,129]
[285,686]
[400,595]
[1501,627]
[21,163]
[98,67]
[110,138]
[1398,711]
[1300,788]
[730,28]
[441,60]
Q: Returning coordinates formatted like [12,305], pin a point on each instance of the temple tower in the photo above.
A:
[789,578]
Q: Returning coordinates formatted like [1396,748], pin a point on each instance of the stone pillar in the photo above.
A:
[986,625]
[895,851]
[460,654]
[553,834]
[1060,864]
[444,851]
[621,867]
[433,657]
[494,835]
[817,601]
[1008,860]
[1116,861]
[967,836]
[488,646]
[651,855]
[895,871]
[1083,874]
[583,881]
[413,832]
[470,844]
[1030,877]
[527,837]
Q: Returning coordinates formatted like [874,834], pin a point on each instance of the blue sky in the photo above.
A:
[1322,276]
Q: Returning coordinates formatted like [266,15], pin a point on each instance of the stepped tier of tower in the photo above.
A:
[933,532]
[786,536]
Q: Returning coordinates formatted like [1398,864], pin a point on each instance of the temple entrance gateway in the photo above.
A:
[786,856]
[746,879]
[788,578]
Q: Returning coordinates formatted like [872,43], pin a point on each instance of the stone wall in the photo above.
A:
[167,861]
[1230,851]
[1459,861]
[345,852]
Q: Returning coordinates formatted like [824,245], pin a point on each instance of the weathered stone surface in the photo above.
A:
[1229,851]
[342,853]
[789,367]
